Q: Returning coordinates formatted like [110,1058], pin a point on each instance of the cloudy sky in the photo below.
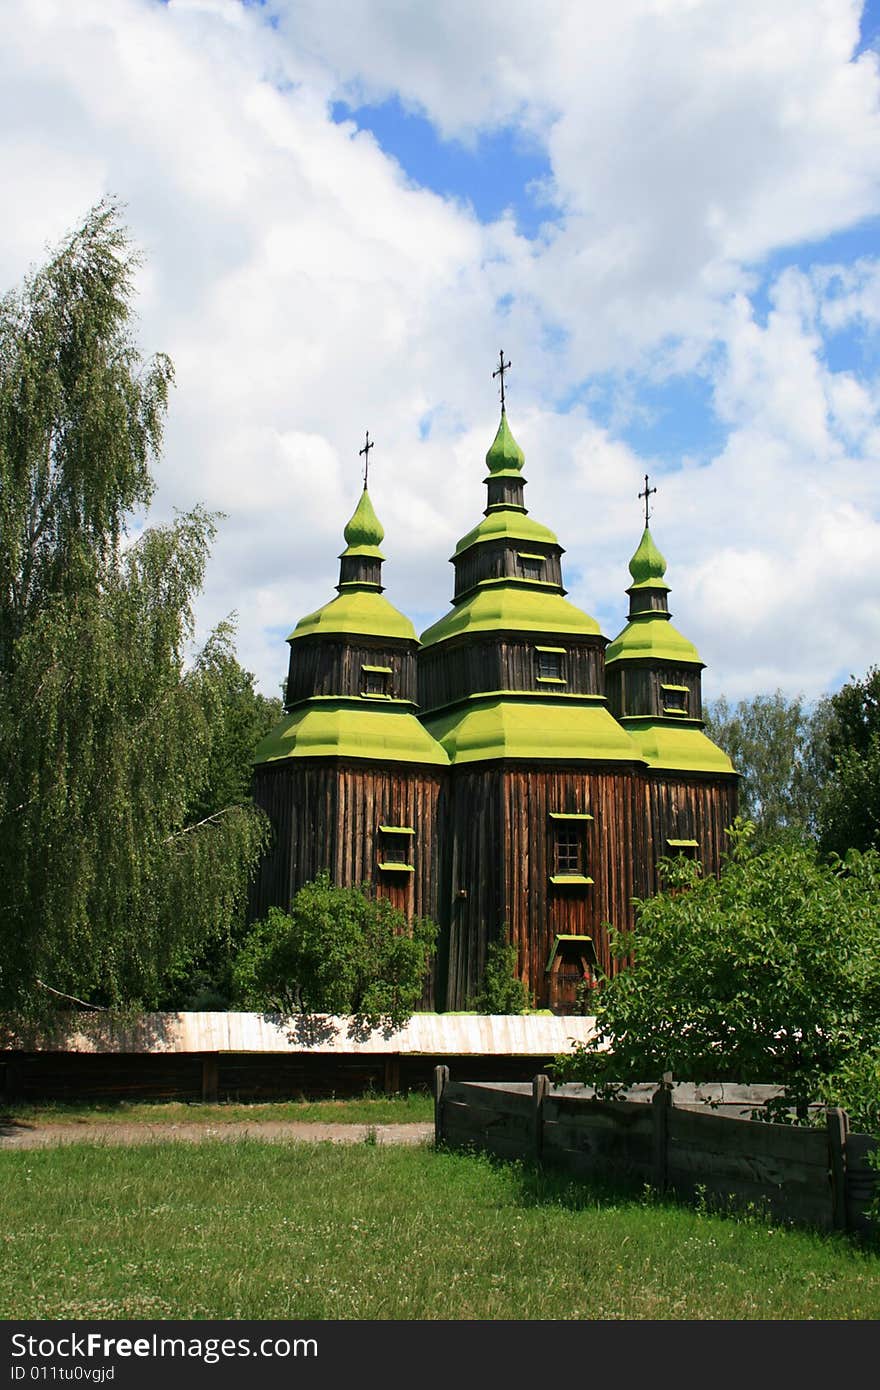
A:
[665,211]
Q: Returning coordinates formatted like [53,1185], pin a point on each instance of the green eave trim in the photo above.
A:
[573,879]
[652,635]
[512,608]
[367,552]
[506,524]
[676,747]
[556,943]
[360,613]
[349,729]
[528,729]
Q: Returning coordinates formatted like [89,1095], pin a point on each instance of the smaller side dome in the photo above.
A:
[505,458]
[648,566]
[364,532]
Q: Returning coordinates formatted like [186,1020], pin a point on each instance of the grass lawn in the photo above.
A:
[370,1110]
[247,1230]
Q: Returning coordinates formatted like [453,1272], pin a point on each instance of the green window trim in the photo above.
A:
[391,868]
[558,941]
[397,830]
[528,555]
[570,815]
[672,709]
[551,680]
[379,670]
[560,650]
[682,844]
[678,689]
[573,879]
[374,695]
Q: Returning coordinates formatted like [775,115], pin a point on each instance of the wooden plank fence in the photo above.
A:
[700,1143]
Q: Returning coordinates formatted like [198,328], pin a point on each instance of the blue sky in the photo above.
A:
[666,212]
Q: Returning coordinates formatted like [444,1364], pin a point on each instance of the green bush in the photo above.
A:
[502,992]
[770,973]
[338,951]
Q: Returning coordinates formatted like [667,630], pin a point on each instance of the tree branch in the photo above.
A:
[59,994]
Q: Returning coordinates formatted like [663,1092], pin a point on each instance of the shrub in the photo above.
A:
[338,951]
[502,992]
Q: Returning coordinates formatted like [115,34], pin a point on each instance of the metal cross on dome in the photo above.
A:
[366,453]
[646,494]
[499,371]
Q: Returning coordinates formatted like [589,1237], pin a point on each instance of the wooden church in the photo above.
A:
[509,774]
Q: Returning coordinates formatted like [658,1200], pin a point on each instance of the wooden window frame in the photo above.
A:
[376,676]
[676,700]
[568,848]
[550,666]
[393,843]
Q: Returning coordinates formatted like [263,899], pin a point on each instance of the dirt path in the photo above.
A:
[19,1134]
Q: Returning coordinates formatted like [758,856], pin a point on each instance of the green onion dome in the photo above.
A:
[364,532]
[647,566]
[505,458]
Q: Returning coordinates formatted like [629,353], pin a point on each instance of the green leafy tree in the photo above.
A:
[338,951]
[778,745]
[502,992]
[112,881]
[849,807]
[769,974]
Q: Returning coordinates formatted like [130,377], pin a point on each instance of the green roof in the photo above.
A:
[360,612]
[511,608]
[507,524]
[652,635]
[364,532]
[676,747]
[647,566]
[346,729]
[505,458]
[504,727]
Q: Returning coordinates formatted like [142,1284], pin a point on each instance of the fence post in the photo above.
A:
[838,1127]
[540,1088]
[660,1105]
[441,1081]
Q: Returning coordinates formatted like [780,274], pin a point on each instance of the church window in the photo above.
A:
[568,850]
[376,682]
[550,665]
[531,566]
[675,699]
[395,848]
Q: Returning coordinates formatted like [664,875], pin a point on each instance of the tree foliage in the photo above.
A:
[849,808]
[770,973]
[779,746]
[338,951]
[116,868]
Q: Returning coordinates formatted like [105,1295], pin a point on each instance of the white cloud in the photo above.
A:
[307,290]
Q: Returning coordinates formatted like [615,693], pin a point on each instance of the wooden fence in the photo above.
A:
[675,1137]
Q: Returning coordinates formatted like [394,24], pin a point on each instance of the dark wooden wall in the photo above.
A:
[500,560]
[501,863]
[326,815]
[636,689]
[686,808]
[456,670]
[502,858]
[322,667]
